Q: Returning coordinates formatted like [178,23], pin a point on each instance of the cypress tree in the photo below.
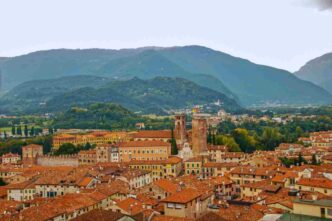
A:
[13,130]
[26,131]
[32,131]
[19,130]
[174,147]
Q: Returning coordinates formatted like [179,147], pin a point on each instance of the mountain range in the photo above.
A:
[245,82]
[318,71]
[156,95]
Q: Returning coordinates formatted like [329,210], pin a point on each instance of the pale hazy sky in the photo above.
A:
[280,33]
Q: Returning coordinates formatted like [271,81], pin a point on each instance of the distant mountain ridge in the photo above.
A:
[248,83]
[318,71]
[153,95]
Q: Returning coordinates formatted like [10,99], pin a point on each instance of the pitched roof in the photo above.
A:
[315,182]
[145,143]
[131,206]
[166,185]
[153,134]
[169,218]
[100,215]
[183,196]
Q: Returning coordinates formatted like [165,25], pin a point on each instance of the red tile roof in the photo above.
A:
[153,134]
[183,196]
[146,143]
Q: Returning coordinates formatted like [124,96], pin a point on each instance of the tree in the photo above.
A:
[67,148]
[50,130]
[32,131]
[298,131]
[174,147]
[26,131]
[246,142]
[19,130]
[2,182]
[13,130]
[87,146]
[228,141]
[301,160]
[270,138]
[4,135]
[214,139]
[209,136]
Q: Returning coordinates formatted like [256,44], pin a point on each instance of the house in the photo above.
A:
[313,208]
[153,135]
[144,150]
[194,165]
[21,191]
[135,178]
[10,158]
[321,185]
[171,167]
[187,203]
[57,183]
[87,157]
[216,169]
[163,188]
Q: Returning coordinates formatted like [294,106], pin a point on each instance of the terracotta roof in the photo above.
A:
[131,206]
[32,146]
[85,181]
[220,165]
[99,215]
[195,159]
[173,160]
[153,134]
[243,213]
[183,196]
[82,152]
[170,160]
[10,155]
[169,218]
[211,216]
[145,143]
[249,170]
[327,157]
[166,185]
[315,182]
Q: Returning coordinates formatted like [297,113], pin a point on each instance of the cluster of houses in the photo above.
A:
[140,179]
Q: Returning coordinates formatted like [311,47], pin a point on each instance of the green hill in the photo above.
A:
[153,95]
[98,115]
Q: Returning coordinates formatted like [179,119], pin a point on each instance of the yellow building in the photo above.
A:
[96,137]
[194,166]
[159,168]
[321,185]
[317,208]
[187,203]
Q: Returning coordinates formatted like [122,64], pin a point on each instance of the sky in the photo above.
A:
[280,33]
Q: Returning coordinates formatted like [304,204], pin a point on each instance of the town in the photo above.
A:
[161,175]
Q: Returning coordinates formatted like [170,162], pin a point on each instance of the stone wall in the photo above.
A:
[62,160]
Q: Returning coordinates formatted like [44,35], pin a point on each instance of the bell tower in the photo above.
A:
[180,131]
[199,134]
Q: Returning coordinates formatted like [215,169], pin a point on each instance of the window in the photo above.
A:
[178,206]
[329,212]
[170,205]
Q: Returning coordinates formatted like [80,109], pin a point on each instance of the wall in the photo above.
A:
[68,160]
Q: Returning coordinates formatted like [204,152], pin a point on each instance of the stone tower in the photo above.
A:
[199,134]
[180,132]
[31,153]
